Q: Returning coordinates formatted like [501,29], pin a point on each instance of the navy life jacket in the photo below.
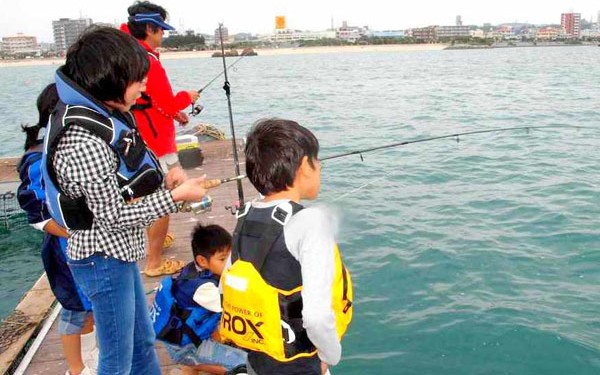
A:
[177,319]
[138,173]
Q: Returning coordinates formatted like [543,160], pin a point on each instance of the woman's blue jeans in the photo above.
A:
[123,326]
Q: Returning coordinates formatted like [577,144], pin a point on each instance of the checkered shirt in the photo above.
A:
[85,165]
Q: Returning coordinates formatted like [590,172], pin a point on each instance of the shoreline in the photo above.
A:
[170,55]
[180,55]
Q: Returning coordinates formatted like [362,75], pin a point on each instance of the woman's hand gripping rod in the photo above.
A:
[205,204]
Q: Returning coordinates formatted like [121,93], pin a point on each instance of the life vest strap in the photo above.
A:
[176,327]
[268,233]
[90,120]
[142,106]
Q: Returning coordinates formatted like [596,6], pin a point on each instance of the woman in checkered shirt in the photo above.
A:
[103,76]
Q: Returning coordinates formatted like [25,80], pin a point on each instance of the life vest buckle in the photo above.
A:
[347,307]
[243,211]
[282,213]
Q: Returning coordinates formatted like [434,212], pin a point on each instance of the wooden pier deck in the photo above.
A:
[218,163]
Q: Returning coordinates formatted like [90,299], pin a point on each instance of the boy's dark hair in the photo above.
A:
[105,61]
[46,102]
[210,239]
[138,29]
[31,135]
[274,151]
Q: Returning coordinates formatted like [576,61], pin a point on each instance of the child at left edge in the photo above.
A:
[187,309]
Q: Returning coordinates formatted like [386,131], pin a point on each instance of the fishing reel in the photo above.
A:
[233,208]
[196,109]
[200,207]
[205,205]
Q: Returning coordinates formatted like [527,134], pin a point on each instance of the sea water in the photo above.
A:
[472,255]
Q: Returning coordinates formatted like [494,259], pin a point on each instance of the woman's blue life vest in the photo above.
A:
[31,197]
[138,174]
[177,319]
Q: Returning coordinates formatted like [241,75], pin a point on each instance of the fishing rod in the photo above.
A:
[227,88]
[454,135]
[205,204]
[353,191]
[197,108]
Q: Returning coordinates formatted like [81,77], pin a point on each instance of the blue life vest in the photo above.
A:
[30,193]
[177,319]
[138,173]
[31,197]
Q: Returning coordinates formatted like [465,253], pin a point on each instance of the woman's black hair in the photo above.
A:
[274,152]
[105,61]
[138,29]
[46,102]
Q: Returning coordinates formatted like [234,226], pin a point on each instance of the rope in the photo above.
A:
[210,131]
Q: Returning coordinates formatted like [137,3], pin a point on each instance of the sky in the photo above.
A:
[258,16]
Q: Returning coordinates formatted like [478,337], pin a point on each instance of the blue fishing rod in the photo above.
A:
[227,88]
[454,135]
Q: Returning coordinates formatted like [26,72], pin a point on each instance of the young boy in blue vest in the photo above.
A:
[187,309]
[287,297]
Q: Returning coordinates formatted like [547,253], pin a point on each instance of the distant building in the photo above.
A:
[218,35]
[530,32]
[388,34]
[290,36]
[425,33]
[478,33]
[66,32]
[548,33]
[458,21]
[451,32]
[351,33]
[19,43]
[244,37]
[505,32]
[571,24]
[590,33]
[47,47]
[106,24]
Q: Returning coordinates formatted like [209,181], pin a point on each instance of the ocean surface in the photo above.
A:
[473,257]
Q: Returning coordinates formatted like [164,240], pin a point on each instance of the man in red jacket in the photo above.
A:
[154,114]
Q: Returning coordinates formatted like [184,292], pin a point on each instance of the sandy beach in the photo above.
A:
[261,52]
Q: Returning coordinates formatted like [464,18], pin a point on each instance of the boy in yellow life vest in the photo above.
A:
[287,296]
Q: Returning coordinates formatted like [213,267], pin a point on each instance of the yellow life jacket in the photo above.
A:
[262,302]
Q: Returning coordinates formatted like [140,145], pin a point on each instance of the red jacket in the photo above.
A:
[156,122]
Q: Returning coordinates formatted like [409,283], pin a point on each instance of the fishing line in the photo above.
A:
[220,74]
[454,135]
[391,173]
[364,186]
[197,108]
